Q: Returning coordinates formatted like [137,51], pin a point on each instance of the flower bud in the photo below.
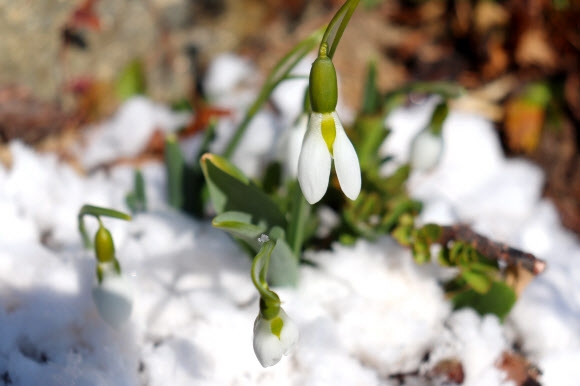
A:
[274,338]
[104,247]
[426,150]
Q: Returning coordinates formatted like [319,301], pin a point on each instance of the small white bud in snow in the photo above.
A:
[113,298]
[426,150]
[274,338]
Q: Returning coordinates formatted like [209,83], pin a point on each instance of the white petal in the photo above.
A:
[426,150]
[267,347]
[289,335]
[314,162]
[114,299]
[346,162]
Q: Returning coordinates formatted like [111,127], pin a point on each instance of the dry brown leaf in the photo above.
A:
[518,369]
[489,14]
[533,48]
[448,371]
[498,60]
[523,125]
[518,278]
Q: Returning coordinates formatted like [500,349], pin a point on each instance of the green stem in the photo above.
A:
[278,74]
[259,271]
[96,211]
[300,213]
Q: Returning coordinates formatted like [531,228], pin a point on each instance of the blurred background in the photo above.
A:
[67,63]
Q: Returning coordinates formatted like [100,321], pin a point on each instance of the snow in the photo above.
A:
[364,312]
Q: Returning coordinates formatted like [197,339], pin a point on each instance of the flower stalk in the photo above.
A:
[275,334]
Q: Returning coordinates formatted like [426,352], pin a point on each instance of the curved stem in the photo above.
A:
[259,271]
[96,211]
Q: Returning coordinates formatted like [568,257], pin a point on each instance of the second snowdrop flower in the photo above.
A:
[274,337]
[325,138]
[113,294]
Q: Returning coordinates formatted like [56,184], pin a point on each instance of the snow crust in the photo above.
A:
[364,312]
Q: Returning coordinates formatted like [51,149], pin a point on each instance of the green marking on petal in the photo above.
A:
[276,325]
[328,131]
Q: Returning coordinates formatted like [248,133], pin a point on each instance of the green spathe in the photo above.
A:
[323,84]
[104,247]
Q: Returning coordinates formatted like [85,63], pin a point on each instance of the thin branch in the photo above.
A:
[491,249]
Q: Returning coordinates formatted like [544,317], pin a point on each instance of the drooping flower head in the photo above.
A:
[274,336]
[326,139]
[427,146]
[113,294]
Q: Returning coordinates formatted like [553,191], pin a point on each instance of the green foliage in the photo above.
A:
[280,72]
[271,219]
[137,199]
[246,212]
[498,300]
[132,80]
[186,185]
[231,190]
[337,25]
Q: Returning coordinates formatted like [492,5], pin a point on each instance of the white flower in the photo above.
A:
[113,298]
[325,139]
[274,338]
[426,150]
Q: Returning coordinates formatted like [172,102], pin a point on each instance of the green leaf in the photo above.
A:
[403,234]
[185,182]
[175,166]
[132,80]
[337,26]
[444,257]
[499,300]
[300,216]
[239,224]
[231,190]
[368,136]
[430,232]
[137,199]
[283,269]
[480,282]
[278,74]
[371,103]
[438,117]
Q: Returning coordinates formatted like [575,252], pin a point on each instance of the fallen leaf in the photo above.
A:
[523,125]
[518,369]
[533,48]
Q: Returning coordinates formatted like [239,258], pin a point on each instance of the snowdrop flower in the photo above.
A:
[113,296]
[325,138]
[427,146]
[274,337]
[426,150]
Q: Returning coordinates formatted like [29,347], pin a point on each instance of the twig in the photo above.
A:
[491,249]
